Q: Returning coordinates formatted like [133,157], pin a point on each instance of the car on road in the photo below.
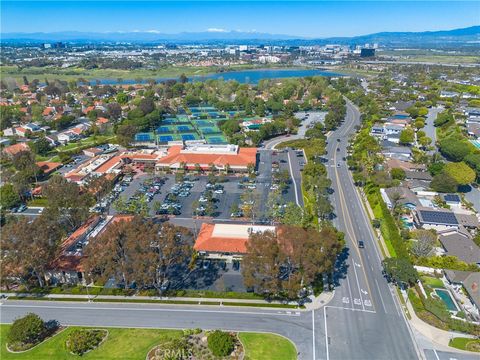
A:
[338,149]
[22,208]
[338,140]
[361,244]
[338,165]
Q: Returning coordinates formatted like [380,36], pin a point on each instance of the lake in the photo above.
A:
[243,76]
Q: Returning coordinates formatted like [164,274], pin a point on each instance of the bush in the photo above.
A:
[27,330]
[220,343]
[82,340]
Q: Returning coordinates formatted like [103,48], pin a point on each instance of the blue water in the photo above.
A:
[447,299]
[243,76]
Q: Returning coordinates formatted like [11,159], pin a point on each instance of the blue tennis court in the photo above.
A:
[165,138]
[216,140]
[164,129]
[203,123]
[169,121]
[143,137]
[207,130]
[187,137]
[184,128]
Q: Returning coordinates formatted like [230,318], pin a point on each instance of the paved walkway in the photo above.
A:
[437,336]
[316,302]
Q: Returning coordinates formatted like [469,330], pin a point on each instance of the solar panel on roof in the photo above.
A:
[452,197]
[439,217]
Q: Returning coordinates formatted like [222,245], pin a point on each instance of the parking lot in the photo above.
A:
[218,198]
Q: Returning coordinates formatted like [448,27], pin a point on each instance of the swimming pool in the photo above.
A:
[476,143]
[447,299]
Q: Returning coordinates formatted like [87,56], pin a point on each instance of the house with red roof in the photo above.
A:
[48,167]
[12,150]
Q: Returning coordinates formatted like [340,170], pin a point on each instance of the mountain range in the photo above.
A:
[464,36]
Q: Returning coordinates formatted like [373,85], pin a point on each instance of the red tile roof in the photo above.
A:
[47,167]
[206,242]
[109,164]
[102,120]
[15,149]
[244,157]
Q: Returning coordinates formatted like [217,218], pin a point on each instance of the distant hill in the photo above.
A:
[145,36]
[464,36]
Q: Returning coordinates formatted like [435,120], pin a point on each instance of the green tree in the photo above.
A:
[293,215]
[8,196]
[460,172]
[29,329]
[443,183]
[400,270]
[125,134]
[79,341]
[397,173]
[407,136]
[220,343]
[41,146]
[454,149]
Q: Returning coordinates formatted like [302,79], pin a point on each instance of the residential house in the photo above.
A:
[437,219]
[470,281]
[461,246]
[399,195]
[12,150]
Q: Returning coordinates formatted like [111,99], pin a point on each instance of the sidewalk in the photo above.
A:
[436,336]
[316,303]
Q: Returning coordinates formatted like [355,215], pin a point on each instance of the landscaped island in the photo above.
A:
[137,343]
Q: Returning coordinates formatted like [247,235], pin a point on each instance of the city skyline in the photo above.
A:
[303,19]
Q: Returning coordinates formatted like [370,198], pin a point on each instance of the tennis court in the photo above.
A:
[164,129]
[184,128]
[187,137]
[216,139]
[144,137]
[165,138]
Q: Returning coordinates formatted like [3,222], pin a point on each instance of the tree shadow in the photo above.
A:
[341,267]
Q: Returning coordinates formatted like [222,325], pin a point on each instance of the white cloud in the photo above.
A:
[217,30]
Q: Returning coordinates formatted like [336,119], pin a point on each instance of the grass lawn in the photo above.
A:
[267,347]
[38,202]
[432,282]
[90,141]
[120,344]
[465,344]
[135,343]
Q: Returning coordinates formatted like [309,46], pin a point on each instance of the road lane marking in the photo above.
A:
[313,333]
[148,309]
[350,309]
[326,332]
[348,222]
[436,355]
[381,298]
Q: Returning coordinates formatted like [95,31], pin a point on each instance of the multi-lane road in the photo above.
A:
[363,320]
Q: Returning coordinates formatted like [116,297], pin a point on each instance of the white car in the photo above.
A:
[219,191]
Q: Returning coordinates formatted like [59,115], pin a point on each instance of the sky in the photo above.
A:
[308,19]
